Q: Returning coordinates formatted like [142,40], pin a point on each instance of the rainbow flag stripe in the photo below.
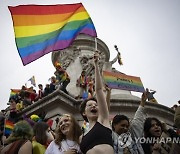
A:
[40,29]
[122,81]
[14,92]
[9,125]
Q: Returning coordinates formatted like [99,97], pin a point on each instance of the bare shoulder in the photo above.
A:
[6,148]
[105,123]
[26,148]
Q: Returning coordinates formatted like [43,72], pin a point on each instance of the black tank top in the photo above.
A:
[97,135]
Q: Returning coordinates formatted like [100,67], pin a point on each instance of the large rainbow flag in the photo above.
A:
[122,81]
[40,29]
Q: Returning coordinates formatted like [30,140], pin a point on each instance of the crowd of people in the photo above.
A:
[28,96]
[119,136]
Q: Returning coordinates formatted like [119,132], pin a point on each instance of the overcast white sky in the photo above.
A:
[147,33]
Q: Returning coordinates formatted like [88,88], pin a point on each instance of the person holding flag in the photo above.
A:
[97,114]
[62,77]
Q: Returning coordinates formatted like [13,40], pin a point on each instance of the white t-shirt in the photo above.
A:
[53,148]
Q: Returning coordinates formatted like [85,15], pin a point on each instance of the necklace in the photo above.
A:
[70,144]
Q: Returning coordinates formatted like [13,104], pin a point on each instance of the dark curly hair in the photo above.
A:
[148,125]
[83,106]
[118,118]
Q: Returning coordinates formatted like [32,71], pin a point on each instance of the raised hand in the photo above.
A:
[71,151]
[96,57]
[143,99]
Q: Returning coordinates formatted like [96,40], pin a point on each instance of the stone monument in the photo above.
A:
[79,57]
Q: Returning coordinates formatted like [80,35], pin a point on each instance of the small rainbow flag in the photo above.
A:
[85,126]
[33,81]
[121,81]
[9,125]
[40,29]
[14,92]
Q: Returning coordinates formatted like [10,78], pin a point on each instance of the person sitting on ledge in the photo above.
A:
[62,76]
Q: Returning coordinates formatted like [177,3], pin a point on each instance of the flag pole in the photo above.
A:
[95,43]
[119,55]
[115,46]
